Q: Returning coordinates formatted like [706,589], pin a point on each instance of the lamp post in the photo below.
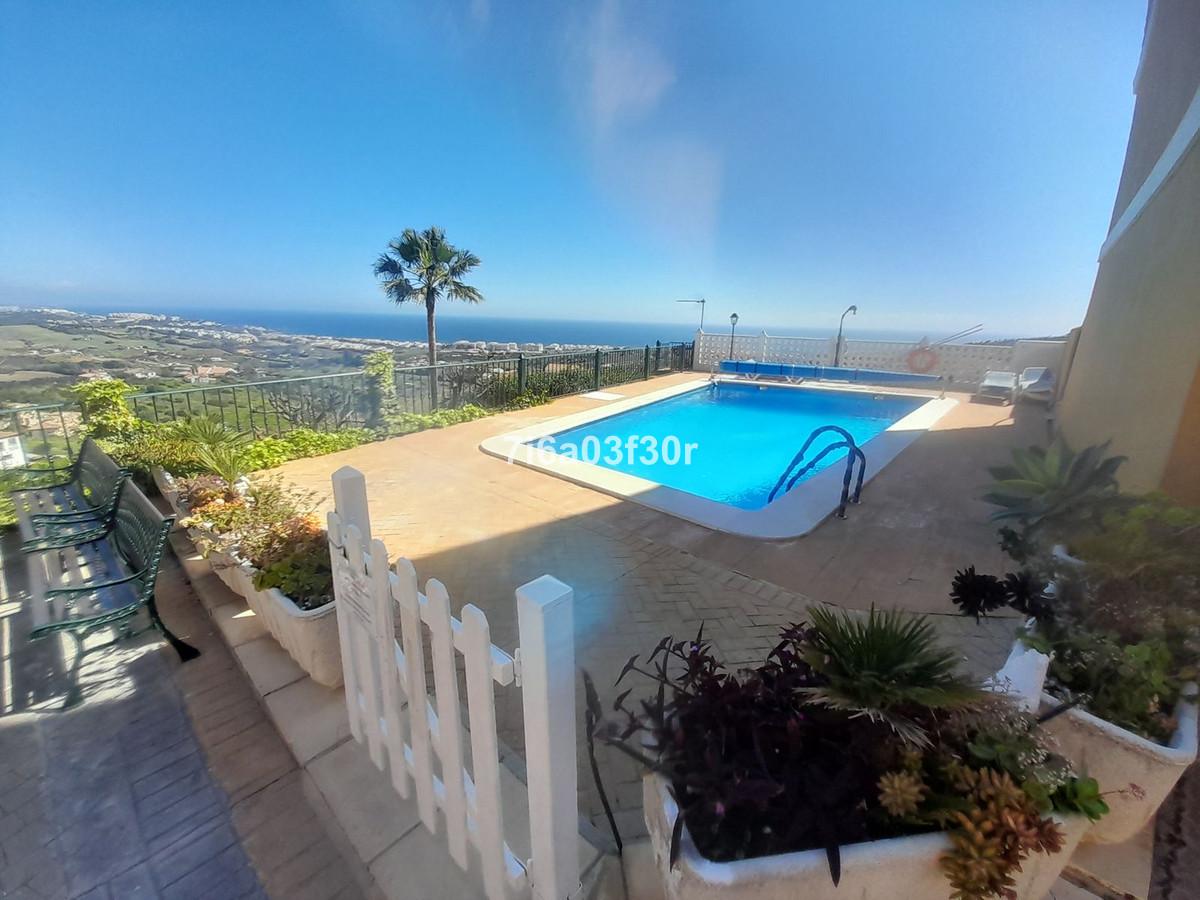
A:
[837,350]
[732,328]
[701,301]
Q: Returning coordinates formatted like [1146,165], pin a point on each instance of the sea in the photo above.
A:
[409,325]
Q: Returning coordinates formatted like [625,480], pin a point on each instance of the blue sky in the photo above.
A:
[938,163]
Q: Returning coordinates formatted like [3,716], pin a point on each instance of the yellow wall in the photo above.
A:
[1140,344]
[1168,76]
[1134,378]
[1181,479]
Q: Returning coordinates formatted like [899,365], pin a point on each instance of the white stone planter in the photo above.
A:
[898,869]
[1118,758]
[165,482]
[1115,757]
[310,636]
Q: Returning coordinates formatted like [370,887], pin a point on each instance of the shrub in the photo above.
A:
[269,452]
[407,423]
[106,414]
[154,445]
[380,369]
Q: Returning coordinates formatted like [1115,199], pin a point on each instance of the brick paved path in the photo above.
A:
[167,781]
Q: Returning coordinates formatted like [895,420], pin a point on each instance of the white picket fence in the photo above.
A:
[419,739]
[964,363]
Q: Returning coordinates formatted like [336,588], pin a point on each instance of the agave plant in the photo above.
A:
[883,667]
[1051,490]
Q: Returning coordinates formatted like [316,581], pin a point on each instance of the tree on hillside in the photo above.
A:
[422,267]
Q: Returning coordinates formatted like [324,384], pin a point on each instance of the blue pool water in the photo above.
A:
[743,436]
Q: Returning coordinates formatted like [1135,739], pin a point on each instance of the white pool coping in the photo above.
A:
[796,513]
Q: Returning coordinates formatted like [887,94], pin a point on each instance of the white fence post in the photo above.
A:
[545,620]
[420,738]
[350,502]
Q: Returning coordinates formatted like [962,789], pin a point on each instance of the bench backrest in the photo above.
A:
[98,477]
[139,533]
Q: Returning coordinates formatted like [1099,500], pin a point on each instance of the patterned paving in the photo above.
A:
[166,782]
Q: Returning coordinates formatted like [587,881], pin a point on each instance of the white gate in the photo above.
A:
[419,739]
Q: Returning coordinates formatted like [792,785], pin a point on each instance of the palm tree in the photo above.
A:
[421,267]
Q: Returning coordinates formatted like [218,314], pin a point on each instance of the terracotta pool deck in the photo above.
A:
[483,527]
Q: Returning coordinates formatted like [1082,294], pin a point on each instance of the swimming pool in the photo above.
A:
[713,452]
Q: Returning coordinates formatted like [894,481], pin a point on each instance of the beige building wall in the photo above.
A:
[1134,378]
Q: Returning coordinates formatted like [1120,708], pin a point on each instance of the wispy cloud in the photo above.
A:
[480,12]
[628,74]
[621,78]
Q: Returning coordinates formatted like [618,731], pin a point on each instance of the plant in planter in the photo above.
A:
[295,559]
[1047,495]
[852,731]
[276,554]
[1122,630]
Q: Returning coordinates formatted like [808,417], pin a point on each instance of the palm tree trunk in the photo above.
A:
[431,331]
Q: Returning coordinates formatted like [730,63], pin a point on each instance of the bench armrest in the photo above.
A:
[71,516]
[94,586]
[64,541]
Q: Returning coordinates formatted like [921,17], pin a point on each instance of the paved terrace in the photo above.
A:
[483,527]
[167,781]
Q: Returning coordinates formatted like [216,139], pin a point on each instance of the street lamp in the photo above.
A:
[701,301]
[732,328]
[837,351]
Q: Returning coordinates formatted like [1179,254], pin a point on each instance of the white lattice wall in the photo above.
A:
[964,363]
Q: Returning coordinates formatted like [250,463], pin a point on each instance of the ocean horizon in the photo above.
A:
[398,325]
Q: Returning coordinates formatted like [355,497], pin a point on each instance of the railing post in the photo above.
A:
[657,355]
[350,502]
[521,376]
[433,388]
[596,371]
[545,621]
[646,364]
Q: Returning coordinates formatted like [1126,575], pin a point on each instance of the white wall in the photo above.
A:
[964,363]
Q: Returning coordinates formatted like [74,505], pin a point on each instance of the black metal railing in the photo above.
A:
[853,454]
[343,400]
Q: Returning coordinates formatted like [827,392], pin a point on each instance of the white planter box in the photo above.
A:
[898,869]
[310,636]
[1117,758]
[165,482]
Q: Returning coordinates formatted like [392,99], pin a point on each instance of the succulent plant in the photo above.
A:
[901,793]
[977,595]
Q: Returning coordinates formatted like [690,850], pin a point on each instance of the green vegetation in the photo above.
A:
[854,729]
[106,412]
[1121,619]
[1051,494]
[407,423]
[271,527]
[423,267]
[380,370]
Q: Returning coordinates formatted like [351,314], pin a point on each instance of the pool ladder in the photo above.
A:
[853,454]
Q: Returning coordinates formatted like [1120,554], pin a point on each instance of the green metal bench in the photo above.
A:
[83,501]
[103,578]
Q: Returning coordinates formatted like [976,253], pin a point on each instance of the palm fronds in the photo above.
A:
[885,666]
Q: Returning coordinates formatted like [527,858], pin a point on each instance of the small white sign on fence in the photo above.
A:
[420,741]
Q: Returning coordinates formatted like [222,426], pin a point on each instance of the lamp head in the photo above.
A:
[853,310]
[733,319]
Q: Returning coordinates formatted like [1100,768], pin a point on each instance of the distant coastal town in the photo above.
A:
[44,350]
